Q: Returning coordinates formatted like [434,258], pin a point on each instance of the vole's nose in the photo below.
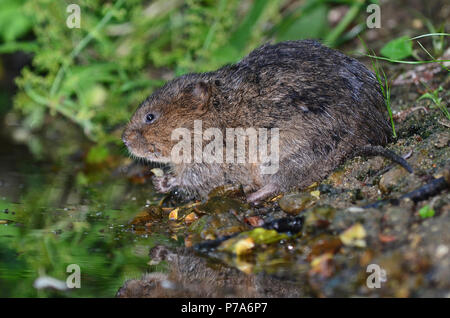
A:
[125,138]
[130,136]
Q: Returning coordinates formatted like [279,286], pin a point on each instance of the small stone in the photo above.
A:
[417,24]
[254,221]
[391,178]
[296,202]
[320,216]
[443,140]
[355,209]
[441,251]
[337,178]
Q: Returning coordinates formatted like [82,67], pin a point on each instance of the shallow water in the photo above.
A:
[49,220]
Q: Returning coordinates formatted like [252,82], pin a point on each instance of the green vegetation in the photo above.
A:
[383,82]
[395,51]
[437,100]
[96,75]
[426,212]
[386,90]
[398,49]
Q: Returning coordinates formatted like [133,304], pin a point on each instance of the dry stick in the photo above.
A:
[422,193]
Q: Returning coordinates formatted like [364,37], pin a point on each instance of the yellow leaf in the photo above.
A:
[315,194]
[312,185]
[243,246]
[244,266]
[173,216]
[319,259]
[354,236]
[191,217]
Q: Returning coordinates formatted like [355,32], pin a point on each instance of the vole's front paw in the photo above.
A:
[164,184]
[257,197]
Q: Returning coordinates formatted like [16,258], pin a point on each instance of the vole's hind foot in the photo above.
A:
[263,193]
[380,151]
[164,184]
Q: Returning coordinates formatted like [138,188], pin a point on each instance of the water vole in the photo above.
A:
[326,106]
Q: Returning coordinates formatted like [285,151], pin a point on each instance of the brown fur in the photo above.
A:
[326,105]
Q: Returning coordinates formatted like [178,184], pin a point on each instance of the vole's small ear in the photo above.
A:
[200,93]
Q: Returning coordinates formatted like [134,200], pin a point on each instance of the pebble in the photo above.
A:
[296,202]
[391,178]
[441,251]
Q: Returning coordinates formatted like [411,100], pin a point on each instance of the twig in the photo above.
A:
[420,194]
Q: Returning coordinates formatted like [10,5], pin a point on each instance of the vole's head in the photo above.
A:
[175,105]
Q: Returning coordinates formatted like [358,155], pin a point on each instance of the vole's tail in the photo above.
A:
[380,151]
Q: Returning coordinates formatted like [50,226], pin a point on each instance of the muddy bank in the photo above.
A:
[327,252]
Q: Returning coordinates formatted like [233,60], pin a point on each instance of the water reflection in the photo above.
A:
[48,220]
[50,217]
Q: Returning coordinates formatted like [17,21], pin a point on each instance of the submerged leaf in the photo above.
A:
[322,265]
[191,217]
[243,246]
[246,241]
[263,236]
[354,236]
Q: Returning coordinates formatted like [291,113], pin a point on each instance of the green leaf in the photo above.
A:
[97,154]
[427,96]
[240,37]
[310,24]
[426,212]
[263,236]
[13,21]
[398,49]
[11,47]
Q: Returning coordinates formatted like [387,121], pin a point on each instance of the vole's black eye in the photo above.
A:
[149,118]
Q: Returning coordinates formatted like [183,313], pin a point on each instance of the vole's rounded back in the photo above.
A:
[326,105]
